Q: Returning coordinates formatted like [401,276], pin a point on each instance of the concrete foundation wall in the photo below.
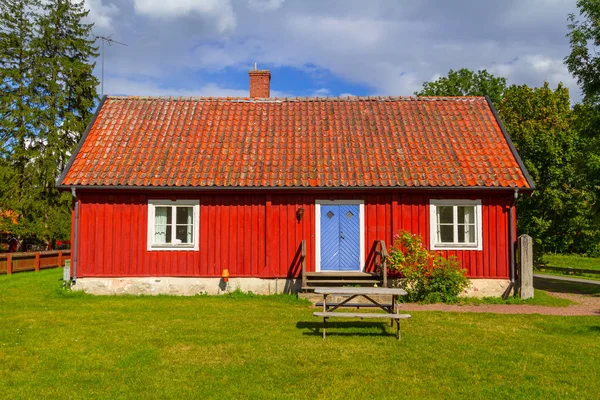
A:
[216,286]
[184,286]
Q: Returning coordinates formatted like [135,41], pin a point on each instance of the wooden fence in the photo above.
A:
[32,261]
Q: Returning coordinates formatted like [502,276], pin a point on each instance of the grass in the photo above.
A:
[58,344]
[572,261]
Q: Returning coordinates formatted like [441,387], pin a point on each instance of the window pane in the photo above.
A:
[471,234]
[466,214]
[445,214]
[183,234]
[446,234]
[162,234]
[184,215]
[162,215]
[461,233]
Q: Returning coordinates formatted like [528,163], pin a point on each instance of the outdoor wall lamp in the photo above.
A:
[225,275]
[300,214]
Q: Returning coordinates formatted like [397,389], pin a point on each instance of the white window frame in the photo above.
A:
[172,246]
[433,228]
[361,207]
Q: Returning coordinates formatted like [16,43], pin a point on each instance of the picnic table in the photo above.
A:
[367,293]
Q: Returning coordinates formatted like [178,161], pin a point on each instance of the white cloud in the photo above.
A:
[219,11]
[534,69]
[101,13]
[265,5]
[130,87]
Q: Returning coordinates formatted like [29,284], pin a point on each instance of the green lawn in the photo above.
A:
[572,261]
[56,345]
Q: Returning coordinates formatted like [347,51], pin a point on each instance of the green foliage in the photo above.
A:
[428,277]
[47,92]
[465,82]
[559,215]
[584,37]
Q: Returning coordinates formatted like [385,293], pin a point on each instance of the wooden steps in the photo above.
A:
[335,279]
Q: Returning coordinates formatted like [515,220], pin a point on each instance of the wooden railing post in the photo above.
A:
[37,261]
[60,259]
[8,264]
[303,256]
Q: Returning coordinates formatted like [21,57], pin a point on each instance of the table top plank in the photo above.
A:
[349,291]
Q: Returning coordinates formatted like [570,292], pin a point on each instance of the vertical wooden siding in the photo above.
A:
[257,234]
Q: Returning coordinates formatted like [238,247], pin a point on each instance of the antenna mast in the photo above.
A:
[105,39]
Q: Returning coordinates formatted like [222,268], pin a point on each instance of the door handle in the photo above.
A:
[341,235]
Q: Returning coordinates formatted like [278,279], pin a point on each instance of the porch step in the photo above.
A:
[340,278]
[342,274]
[346,281]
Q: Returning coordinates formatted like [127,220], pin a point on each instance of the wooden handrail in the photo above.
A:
[381,256]
[303,261]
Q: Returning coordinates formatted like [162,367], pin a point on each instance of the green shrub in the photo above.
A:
[428,277]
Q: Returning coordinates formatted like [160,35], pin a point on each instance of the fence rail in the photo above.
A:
[32,261]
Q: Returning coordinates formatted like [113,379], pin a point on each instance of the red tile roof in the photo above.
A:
[309,142]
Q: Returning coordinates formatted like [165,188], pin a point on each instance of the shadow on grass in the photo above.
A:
[314,328]
[558,286]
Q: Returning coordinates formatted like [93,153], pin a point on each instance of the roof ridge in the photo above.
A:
[293,99]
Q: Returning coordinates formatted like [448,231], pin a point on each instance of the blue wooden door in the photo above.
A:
[340,237]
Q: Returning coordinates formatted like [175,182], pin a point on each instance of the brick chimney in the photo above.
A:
[260,83]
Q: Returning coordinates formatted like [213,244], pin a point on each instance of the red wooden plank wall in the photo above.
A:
[257,234]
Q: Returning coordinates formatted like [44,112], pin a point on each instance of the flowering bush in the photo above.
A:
[429,277]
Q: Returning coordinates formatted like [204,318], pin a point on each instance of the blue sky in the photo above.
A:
[326,47]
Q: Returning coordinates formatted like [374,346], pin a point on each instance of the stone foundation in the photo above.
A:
[216,286]
[184,286]
[486,288]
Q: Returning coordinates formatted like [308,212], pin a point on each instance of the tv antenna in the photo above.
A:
[110,42]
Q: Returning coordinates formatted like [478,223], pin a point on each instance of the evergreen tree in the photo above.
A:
[18,108]
[65,81]
[47,93]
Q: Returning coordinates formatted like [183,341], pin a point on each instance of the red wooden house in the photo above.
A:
[170,192]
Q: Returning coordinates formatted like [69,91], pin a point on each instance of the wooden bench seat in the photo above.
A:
[393,317]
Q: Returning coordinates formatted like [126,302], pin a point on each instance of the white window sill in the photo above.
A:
[190,247]
[456,247]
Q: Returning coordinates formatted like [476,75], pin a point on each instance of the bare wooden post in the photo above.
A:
[37,261]
[525,263]
[60,259]
[8,264]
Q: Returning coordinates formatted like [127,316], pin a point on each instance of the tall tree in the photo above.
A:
[47,93]
[584,37]
[67,88]
[18,107]
[559,214]
[465,82]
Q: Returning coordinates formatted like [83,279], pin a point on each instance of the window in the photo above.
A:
[173,225]
[455,224]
